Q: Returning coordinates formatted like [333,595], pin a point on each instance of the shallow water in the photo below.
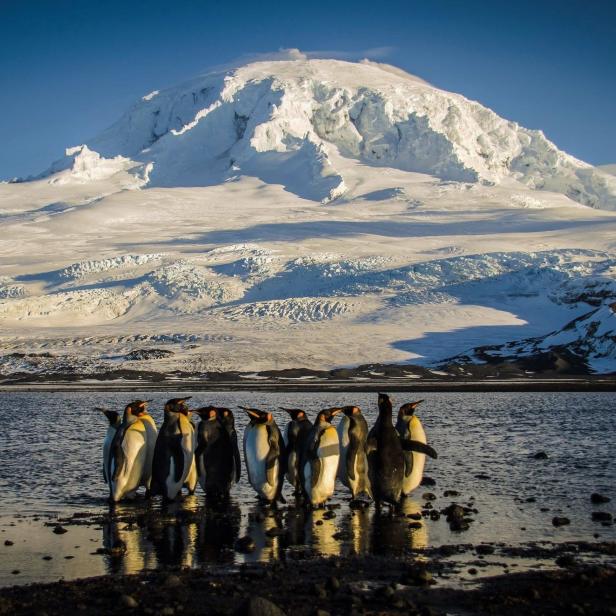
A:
[50,466]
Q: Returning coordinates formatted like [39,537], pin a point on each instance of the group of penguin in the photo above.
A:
[384,464]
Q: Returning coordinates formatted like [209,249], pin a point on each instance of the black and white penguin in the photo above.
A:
[140,408]
[114,419]
[215,454]
[385,457]
[319,463]
[174,453]
[353,436]
[295,434]
[264,454]
[415,446]
[127,456]
[227,419]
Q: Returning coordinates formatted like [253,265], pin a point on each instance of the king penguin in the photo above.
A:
[415,446]
[264,455]
[353,467]
[295,434]
[114,419]
[227,419]
[127,456]
[215,455]
[320,459]
[385,457]
[140,409]
[173,454]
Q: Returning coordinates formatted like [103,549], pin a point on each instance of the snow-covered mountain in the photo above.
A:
[302,213]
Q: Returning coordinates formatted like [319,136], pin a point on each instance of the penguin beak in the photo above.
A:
[252,414]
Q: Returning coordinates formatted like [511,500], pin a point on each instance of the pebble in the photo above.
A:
[540,455]
[599,499]
[7,543]
[172,581]
[428,481]
[429,496]
[560,521]
[128,601]
[47,557]
[484,549]
[565,561]
[472,571]
[59,530]
[601,516]
[447,493]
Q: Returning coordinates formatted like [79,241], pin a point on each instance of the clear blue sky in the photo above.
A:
[69,68]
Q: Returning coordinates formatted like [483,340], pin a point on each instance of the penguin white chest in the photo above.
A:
[257,449]
[329,455]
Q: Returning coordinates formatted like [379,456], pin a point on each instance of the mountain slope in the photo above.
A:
[286,121]
[191,235]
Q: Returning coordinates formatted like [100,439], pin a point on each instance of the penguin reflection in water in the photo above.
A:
[353,468]
[217,455]
[173,455]
[415,446]
[264,454]
[320,459]
[295,434]
[129,452]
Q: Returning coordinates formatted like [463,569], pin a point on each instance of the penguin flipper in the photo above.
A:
[317,468]
[419,447]
[273,458]
[236,457]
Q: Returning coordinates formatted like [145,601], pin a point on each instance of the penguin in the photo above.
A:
[295,434]
[192,478]
[264,454]
[353,468]
[227,419]
[215,455]
[114,419]
[127,456]
[415,446]
[320,459]
[140,409]
[385,457]
[173,454]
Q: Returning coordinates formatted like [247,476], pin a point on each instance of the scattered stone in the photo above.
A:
[329,515]
[415,524]
[8,542]
[359,504]
[451,493]
[128,601]
[15,572]
[531,499]
[59,530]
[566,561]
[472,571]
[47,557]
[459,525]
[482,476]
[540,455]
[601,516]
[484,549]
[245,545]
[172,581]
[428,481]
[275,532]
[429,496]
[413,516]
[599,499]
[333,583]
[560,521]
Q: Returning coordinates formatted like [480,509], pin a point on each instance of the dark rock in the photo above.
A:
[333,583]
[601,516]
[359,504]
[448,493]
[128,601]
[540,455]
[482,476]
[47,557]
[560,521]
[59,530]
[15,572]
[8,542]
[472,571]
[531,499]
[429,496]
[329,515]
[428,482]
[258,606]
[275,532]
[454,512]
[413,516]
[172,581]
[245,545]
[459,525]
[484,549]
[566,561]
[415,524]
[435,515]
[599,499]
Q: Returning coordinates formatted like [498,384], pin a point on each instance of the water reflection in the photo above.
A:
[192,533]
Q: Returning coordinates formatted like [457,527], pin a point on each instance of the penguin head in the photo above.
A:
[257,416]
[226,416]
[207,413]
[112,416]
[350,411]
[326,415]
[296,414]
[137,408]
[408,410]
[384,404]
[177,405]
